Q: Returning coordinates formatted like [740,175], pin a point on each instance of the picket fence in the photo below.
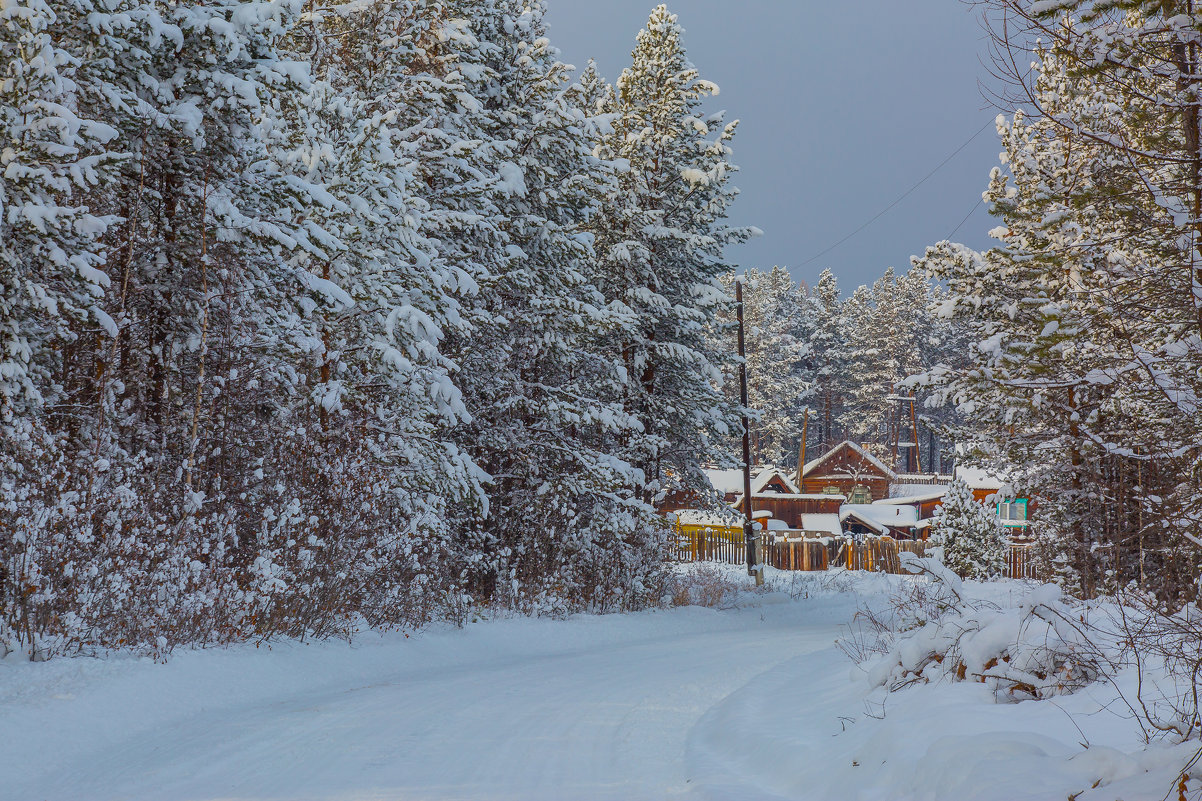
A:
[798,551]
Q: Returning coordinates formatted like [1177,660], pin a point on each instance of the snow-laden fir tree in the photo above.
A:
[968,535]
[868,371]
[50,243]
[663,251]
[374,303]
[828,350]
[1084,336]
[563,527]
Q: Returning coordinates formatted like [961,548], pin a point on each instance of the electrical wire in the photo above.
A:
[901,197]
[966,216]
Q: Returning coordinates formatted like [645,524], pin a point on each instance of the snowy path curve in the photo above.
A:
[590,708]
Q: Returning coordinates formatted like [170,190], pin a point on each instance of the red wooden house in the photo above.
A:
[791,507]
[849,470]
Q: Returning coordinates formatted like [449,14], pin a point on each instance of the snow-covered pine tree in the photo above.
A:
[664,253]
[970,539]
[563,528]
[937,341]
[869,373]
[828,347]
[1081,349]
[52,288]
[365,453]
[884,350]
[50,242]
[169,406]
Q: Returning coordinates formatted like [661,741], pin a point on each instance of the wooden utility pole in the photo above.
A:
[914,431]
[801,452]
[748,523]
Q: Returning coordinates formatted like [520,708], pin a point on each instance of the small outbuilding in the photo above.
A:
[897,521]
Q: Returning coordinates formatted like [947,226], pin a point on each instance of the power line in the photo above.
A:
[980,200]
[900,197]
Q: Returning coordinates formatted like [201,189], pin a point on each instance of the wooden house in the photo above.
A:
[772,490]
[991,490]
[793,507]
[729,483]
[729,486]
[921,506]
[984,483]
[849,470]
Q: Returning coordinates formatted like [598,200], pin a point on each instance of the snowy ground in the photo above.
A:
[744,703]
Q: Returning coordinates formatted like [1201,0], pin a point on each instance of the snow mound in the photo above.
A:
[1033,644]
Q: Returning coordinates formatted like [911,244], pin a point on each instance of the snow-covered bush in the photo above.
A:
[1164,652]
[968,536]
[1032,644]
[714,586]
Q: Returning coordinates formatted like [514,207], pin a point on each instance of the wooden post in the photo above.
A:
[914,426]
[748,524]
[801,454]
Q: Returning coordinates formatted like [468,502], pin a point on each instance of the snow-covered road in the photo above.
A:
[590,708]
[745,704]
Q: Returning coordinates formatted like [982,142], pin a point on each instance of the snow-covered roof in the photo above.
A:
[979,478]
[926,478]
[828,523]
[880,516]
[929,494]
[726,481]
[702,517]
[731,481]
[846,513]
[914,490]
[875,462]
[760,482]
[796,496]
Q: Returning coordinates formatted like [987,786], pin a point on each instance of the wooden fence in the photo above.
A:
[874,554]
[794,551]
[695,543]
[797,553]
[1021,563]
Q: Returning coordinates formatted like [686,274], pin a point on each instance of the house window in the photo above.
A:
[831,491]
[1013,510]
[860,494]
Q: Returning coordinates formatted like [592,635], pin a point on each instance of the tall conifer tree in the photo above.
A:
[664,250]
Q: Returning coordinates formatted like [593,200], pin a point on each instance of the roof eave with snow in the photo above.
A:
[906,500]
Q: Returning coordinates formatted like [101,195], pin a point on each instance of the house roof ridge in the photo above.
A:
[809,466]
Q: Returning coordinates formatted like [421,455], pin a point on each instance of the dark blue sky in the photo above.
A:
[844,106]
